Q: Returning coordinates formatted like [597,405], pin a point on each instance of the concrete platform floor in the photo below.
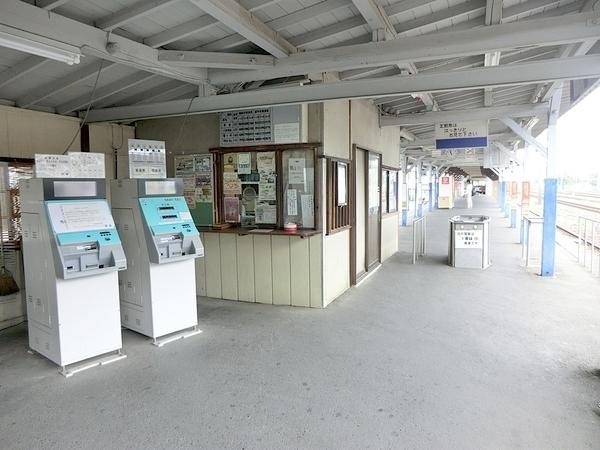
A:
[421,356]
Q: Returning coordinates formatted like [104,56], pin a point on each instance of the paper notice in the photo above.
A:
[308,210]
[203,163]
[267,188]
[232,185]
[265,162]
[286,132]
[203,194]
[87,165]
[80,216]
[296,168]
[52,166]
[184,165]
[244,163]
[147,159]
[266,213]
[292,202]
[189,183]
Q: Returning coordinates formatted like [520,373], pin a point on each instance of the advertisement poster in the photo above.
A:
[265,162]
[232,185]
[232,209]
[203,194]
[244,163]
[203,163]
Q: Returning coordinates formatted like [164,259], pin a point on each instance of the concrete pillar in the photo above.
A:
[550,189]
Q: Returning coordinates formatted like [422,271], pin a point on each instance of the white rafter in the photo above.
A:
[214,59]
[523,133]
[493,16]
[525,73]
[50,4]
[486,113]
[104,92]
[136,11]
[57,86]
[234,16]
[539,32]
[22,68]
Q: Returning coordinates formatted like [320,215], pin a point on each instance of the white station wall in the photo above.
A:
[367,134]
[23,133]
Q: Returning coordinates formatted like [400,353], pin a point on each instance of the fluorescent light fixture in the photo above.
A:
[24,41]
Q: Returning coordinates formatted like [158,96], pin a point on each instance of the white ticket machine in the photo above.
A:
[71,255]
[158,289]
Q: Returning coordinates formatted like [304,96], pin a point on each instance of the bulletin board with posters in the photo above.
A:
[197,174]
[267,186]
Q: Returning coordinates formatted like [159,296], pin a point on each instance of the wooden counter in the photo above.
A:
[278,267]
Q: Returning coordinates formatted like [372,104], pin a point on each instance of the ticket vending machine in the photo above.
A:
[158,289]
[71,254]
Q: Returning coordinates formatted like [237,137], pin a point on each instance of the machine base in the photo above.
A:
[103,360]
[184,334]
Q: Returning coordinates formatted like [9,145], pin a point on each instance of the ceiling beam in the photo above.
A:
[146,95]
[379,23]
[214,59]
[196,25]
[22,68]
[234,16]
[57,86]
[526,73]
[493,112]
[493,16]
[104,92]
[49,5]
[91,40]
[471,8]
[523,133]
[551,31]
[136,11]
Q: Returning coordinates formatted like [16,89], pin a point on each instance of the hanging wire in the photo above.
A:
[185,117]
[88,107]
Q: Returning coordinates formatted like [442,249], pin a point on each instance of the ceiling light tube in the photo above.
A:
[38,45]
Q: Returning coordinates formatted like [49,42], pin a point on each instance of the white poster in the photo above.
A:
[52,166]
[87,165]
[266,213]
[232,185]
[292,202]
[147,159]
[265,162]
[296,168]
[285,133]
[308,210]
[244,165]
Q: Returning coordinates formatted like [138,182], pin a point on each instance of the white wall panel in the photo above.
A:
[245,268]
[389,235]
[212,257]
[300,272]
[263,277]
[229,286]
[280,251]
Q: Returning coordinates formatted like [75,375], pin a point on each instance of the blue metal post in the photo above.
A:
[522,231]
[502,196]
[430,196]
[437,189]
[550,188]
[513,217]
[549,230]
[404,217]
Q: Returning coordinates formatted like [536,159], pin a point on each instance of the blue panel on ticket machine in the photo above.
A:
[158,289]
